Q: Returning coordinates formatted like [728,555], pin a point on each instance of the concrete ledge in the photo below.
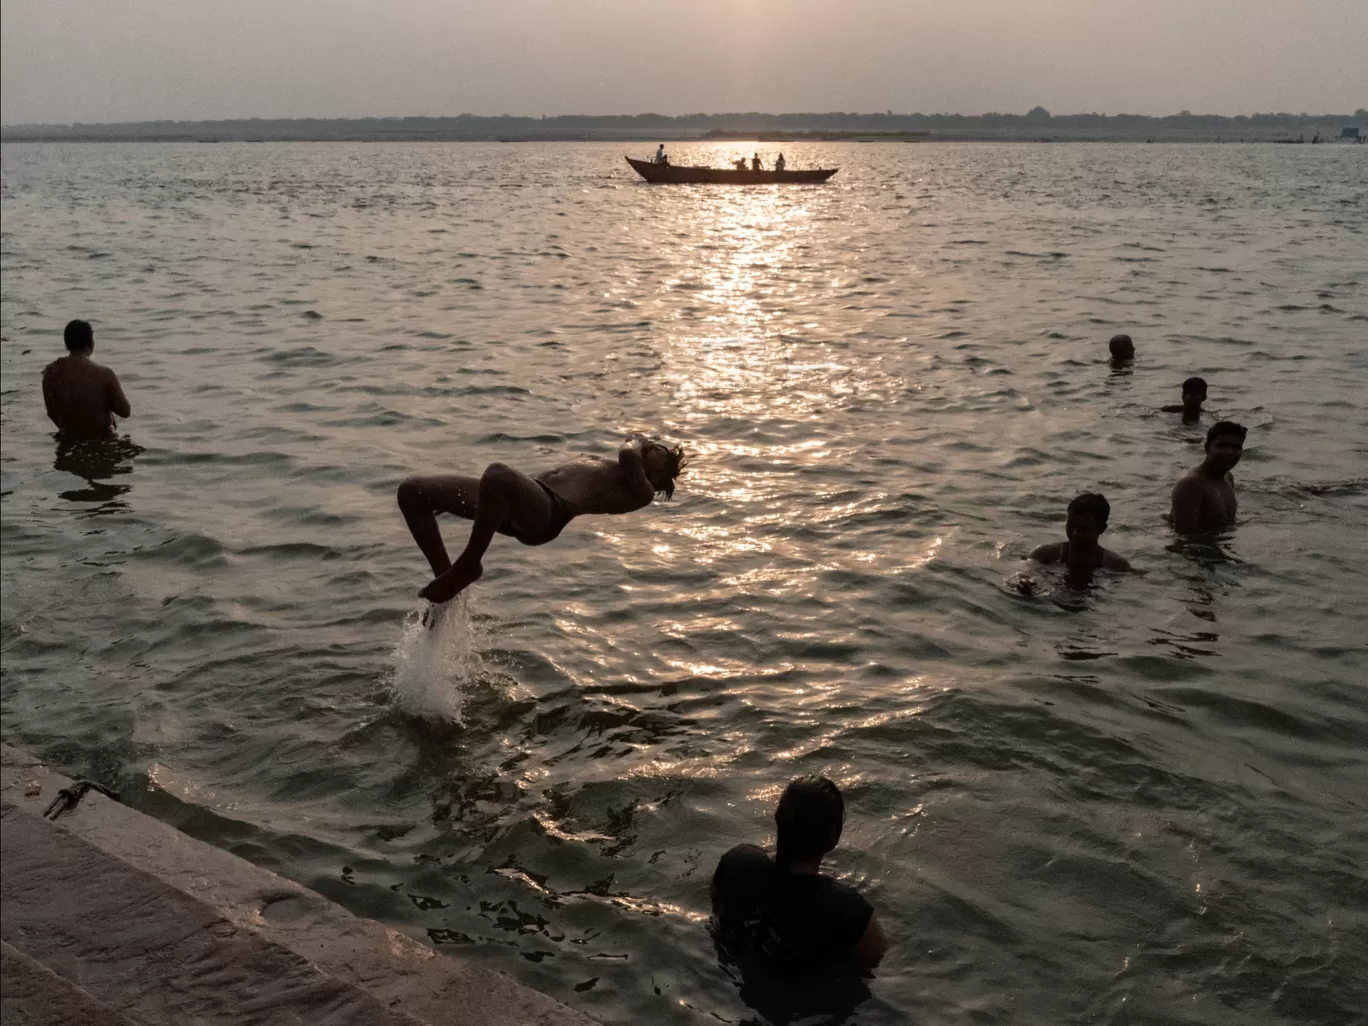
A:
[121,915]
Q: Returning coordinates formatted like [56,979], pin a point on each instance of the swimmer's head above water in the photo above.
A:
[1086,520]
[1224,446]
[809,820]
[1122,349]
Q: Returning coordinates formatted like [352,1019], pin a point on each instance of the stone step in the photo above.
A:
[31,994]
[165,930]
[152,952]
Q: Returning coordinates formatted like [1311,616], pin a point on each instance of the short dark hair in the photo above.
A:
[676,459]
[1227,427]
[78,335]
[1195,385]
[1120,340]
[1094,504]
[809,819]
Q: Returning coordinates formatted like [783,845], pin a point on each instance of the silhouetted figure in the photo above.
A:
[1122,350]
[82,397]
[779,162]
[1203,500]
[1083,526]
[784,909]
[755,163]
[534,510]
[1194,394]
[660,157]
[739,163]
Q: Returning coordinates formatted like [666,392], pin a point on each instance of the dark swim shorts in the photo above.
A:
[560,516]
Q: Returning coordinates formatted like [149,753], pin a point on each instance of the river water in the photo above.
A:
[1143,803]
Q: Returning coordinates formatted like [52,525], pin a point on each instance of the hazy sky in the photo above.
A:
[123,60]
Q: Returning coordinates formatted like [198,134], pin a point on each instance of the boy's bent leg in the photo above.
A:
[422,498]
[505,496]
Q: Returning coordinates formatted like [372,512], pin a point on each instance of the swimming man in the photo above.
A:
[1204,498]
[82,397]
[534,510]
[1122,350]
[785,909]
[1083,525]
[1194,394]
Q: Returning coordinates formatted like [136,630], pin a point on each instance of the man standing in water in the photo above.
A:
[82,397]
[1194,394]
[1204,498]
[1083,525]
[534,510]
[1122,350]
[785,909]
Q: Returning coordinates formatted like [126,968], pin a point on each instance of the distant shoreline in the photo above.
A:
[1037,126]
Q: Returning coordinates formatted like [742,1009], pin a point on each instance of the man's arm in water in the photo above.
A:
[1111,561]
[1050,552]
[49,398]
[1187,505]
[634,471]
[114,396]
[873,944]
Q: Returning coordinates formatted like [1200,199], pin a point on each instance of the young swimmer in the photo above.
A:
[1122,350]
[784,909]
[82,397]
[1194,394]
[1204,498]
[1083,525]
[534,510]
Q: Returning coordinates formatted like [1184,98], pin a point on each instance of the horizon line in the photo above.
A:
[1043,115]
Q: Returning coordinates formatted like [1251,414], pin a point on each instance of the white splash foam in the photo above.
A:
[433,660]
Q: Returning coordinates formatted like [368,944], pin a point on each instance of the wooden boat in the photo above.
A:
[670,174]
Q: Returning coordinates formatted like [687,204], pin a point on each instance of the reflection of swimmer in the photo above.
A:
[95,460]
[81,396]
[532,510]
[1204,498]
[785,910]
[1083,526]
[1194,394]
[1122,350]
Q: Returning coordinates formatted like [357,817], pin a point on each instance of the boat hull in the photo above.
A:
[670,174]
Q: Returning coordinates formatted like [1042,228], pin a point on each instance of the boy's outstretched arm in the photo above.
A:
[634,471]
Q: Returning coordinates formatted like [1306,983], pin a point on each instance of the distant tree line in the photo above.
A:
[1037,124]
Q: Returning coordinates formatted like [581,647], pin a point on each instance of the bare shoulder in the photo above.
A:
[1050,552]
[1111,561]
[1188,485]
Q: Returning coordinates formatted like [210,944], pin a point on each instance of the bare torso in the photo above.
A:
[1214,501]
[1061,552]
[590,484]
[82,397]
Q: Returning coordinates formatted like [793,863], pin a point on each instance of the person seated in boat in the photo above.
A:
[739,163]
[779,162]
[534,510]
[784,909]
[660,157]
[756,164]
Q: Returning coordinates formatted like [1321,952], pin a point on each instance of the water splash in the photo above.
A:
[435,655]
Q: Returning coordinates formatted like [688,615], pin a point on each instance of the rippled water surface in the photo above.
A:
[1140,804]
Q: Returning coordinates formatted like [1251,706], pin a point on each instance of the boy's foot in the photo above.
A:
[452,583]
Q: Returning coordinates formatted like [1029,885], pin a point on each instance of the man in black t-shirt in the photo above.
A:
[785,909]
